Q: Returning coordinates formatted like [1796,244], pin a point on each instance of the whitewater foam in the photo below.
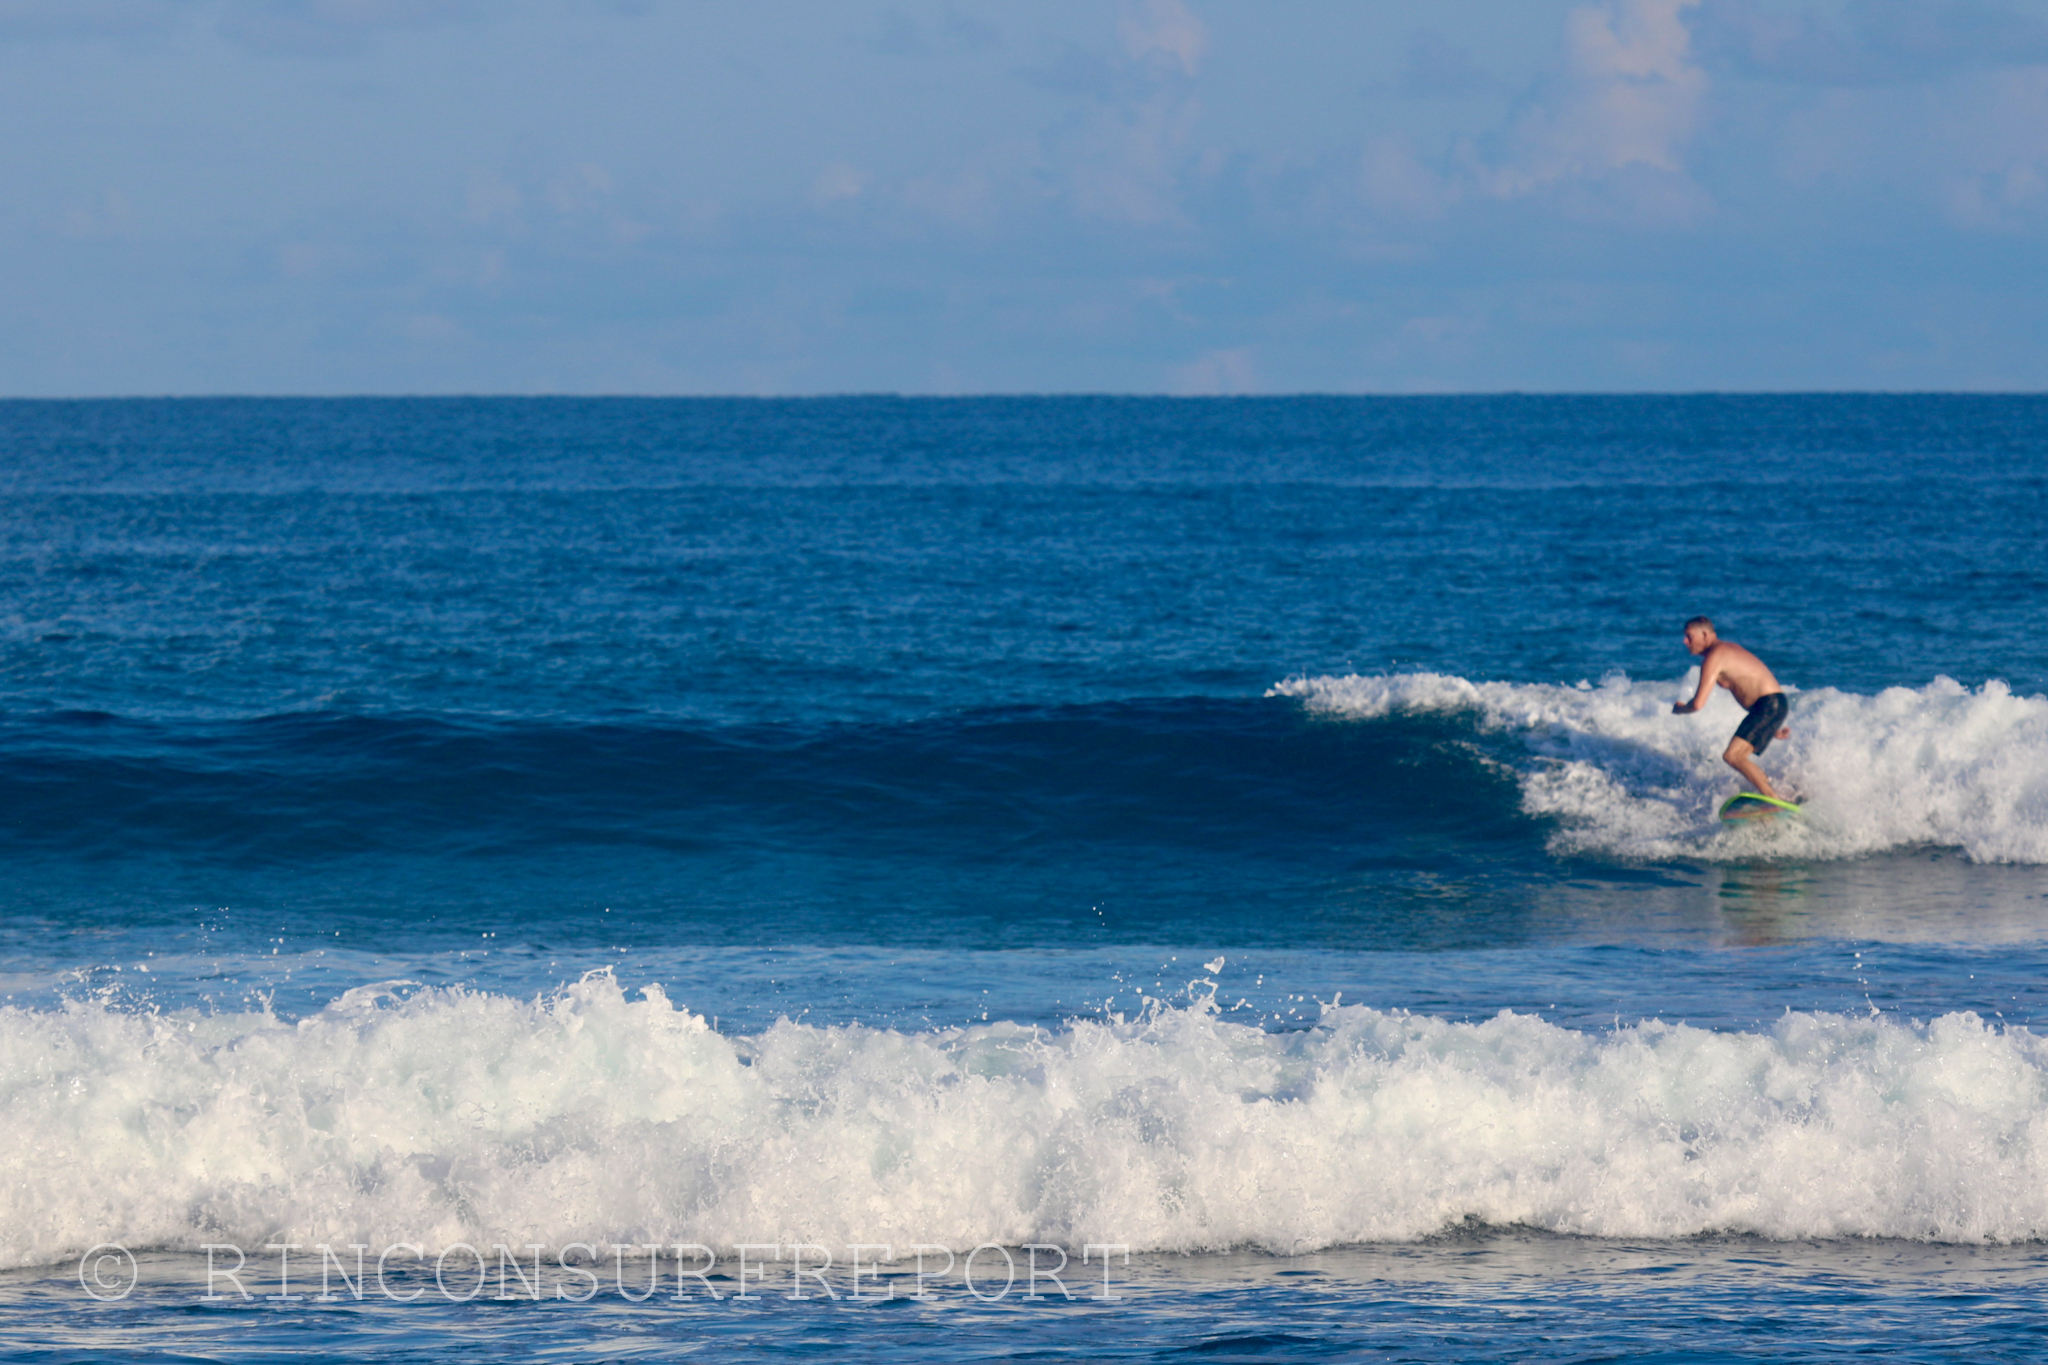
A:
[1943,765]
[444,1116]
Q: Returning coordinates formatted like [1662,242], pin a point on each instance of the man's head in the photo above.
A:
[1699,635]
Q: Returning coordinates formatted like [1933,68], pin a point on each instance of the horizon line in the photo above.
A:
[871,395]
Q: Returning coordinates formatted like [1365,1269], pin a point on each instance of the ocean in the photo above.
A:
[1020,878]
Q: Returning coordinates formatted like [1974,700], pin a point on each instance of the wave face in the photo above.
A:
[1943,765]
[1143,821]
[448,1116]
[1190,773]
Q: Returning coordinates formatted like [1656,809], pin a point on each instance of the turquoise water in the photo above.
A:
[1251,834]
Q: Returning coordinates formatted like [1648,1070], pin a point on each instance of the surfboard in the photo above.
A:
[1751,806]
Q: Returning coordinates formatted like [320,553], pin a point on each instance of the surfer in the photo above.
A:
[1741,672]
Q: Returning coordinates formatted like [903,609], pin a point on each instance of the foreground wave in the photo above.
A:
[440,1117]
[1943,765]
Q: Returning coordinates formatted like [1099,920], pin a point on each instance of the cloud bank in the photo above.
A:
[945,195]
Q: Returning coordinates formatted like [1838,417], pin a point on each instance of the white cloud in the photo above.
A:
[1605,132]
[1124,163]
[839,181]
[1397,184]
[107,214]
[1416,347]
[1995,171]
[974,195]
[1970,147]
[1868,42]
[581,188]
[1163,33]
[1124,166]
[1122,152]
[1229,371]
[1629,98]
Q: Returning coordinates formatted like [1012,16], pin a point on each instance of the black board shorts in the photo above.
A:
[1764,720]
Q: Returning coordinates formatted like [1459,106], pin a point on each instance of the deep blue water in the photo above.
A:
[1252,832]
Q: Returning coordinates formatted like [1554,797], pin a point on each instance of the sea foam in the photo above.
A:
[1943,765]
[443,1116]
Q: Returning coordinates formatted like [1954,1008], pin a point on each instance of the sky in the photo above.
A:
[1021,196]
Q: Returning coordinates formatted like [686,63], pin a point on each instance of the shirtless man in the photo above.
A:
[1741,672]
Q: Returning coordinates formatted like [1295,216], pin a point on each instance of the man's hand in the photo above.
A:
[1710,673]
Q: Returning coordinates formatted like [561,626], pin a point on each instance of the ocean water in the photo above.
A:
[1067,879]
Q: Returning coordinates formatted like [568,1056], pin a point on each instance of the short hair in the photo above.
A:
[1706,621]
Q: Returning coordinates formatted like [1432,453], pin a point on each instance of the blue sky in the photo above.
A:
[960,196]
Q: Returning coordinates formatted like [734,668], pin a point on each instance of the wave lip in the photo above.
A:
[440,1117]
[1942,765]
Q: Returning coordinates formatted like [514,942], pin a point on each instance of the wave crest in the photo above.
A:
[1942,765]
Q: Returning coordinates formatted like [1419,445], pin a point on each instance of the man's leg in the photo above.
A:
[1741,756]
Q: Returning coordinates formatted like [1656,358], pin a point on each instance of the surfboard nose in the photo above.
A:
[1754,806]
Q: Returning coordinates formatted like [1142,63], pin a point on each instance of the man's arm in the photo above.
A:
[1710,670]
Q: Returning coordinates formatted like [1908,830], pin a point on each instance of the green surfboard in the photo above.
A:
[1750,806]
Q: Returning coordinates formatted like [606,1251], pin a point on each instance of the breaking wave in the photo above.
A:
[444,1116]
[1943,765]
